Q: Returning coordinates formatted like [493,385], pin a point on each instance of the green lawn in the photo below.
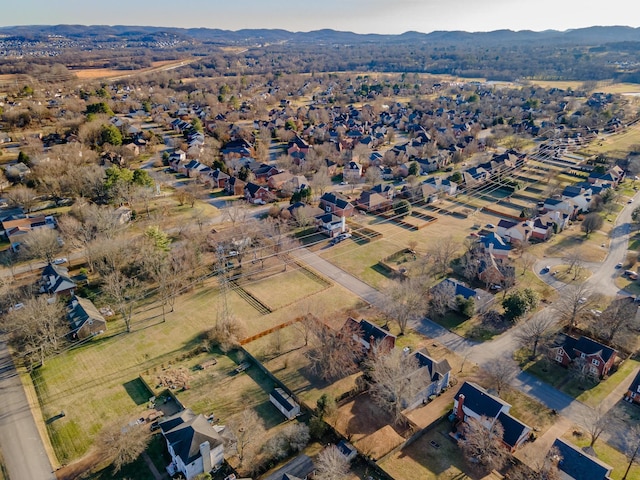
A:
[597,394]
[95,383]
[294,282]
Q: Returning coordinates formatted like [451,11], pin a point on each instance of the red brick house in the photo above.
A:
[258,194]
[337,204]
[597,358]
[234,186]
[633,394]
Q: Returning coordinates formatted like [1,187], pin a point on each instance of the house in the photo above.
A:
[371,336]
[490,272]
[352,172]
[218,178]
[330,224]
[55,280]
[300,468]
[16,228]
[234,186]
[473,401]
[513,231]
[237,149]
[372,201]
[564,207]
[194,445]
[475,176]
[494,244]
[438,185]
[257,194]
[432,377]
[481,298]
[337,204]
[285,403]
[545,225]
[633,394]
[575,464]
[275,182]
[597,359]
[263,172]
[84,318]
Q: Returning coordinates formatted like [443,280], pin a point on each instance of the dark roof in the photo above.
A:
[81,310]
[461,289]
[635,384]
[513,428]
[335,199]
[369,330]
[299,467]
[588,346]
[345,448]
[283,399]
[507,223]
[496,240]
[577,464]
[552,201]
[252,188]
[186,431]
[436,369]
[61,280]
[478,400]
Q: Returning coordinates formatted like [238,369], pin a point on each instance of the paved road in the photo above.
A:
[20,442]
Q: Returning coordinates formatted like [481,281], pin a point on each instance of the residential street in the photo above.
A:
[22,449]
[503,346]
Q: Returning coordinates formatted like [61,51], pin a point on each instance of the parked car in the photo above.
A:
[619,265]
[60,261]
[490,225]
[154,426]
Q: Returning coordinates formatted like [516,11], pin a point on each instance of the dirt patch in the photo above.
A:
[86,464]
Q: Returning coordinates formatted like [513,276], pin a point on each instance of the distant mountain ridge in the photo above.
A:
[581,36]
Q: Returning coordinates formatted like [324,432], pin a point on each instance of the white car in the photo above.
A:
[60,261]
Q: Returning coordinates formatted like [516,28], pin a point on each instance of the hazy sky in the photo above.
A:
[362,16]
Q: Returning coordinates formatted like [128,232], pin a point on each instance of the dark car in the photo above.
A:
[154,426]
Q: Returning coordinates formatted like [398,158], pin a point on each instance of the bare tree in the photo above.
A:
[499,372]
[527,260]
[596,423]
[408,302]
[21,196]
[442,298]
[120,290]
[532,332]
[482,446]
[124,444]
[573,303]
[632,447]
[248,429]
[331,464]
[618,321]
[592,221]
[41,243]
[442,253]
[320,181]
[392,384]
[575,262]
[36,329]
[333,353]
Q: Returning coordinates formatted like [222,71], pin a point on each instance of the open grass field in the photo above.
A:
[284,288]
[572,238]
[96,383]
[617,145]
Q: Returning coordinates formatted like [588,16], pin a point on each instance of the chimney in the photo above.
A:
[459,411]
[205,452]
[343,225]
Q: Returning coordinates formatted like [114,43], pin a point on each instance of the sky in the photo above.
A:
[360,16]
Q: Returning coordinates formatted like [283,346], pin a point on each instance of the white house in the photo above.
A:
[194,445]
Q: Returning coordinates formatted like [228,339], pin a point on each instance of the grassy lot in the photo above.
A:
[605,453]
[631,286]
[92,383]
[594,396]
[294,282]
[572,238]
[617,145]
[423,461]
[564,275]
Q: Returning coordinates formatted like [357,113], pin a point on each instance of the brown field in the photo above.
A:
[93,73]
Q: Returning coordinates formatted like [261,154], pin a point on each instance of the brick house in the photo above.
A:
[597,358]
